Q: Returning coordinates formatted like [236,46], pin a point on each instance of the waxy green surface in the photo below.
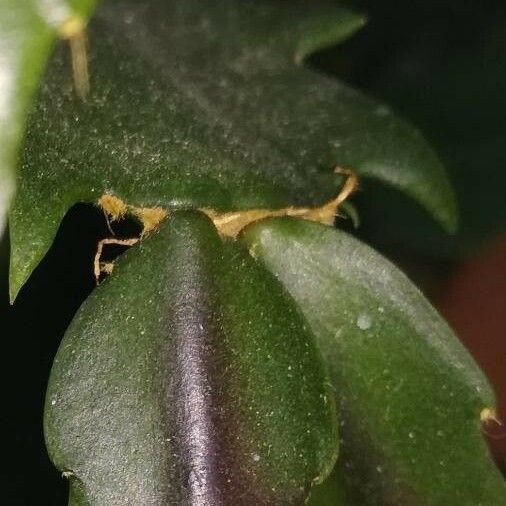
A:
[27,30]
[409,394]
[207,104]
[189,378]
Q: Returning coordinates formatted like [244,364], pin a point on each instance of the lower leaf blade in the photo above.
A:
[189,378]
[410,396]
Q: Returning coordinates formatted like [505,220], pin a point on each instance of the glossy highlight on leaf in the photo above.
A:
[409,394]
[189,377]
[207,105]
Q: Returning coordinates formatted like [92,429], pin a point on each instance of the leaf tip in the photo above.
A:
[448,215]
[327,29]
[15,284]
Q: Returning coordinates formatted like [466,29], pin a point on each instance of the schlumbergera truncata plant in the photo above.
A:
[243,349]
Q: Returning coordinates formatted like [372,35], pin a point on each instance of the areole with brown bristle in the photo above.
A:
[230,224]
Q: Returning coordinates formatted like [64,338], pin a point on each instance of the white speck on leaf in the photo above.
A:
[364,322]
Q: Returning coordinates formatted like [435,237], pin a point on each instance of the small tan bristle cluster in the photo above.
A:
[150,217]
[73,29]
[488,415]
[114,207]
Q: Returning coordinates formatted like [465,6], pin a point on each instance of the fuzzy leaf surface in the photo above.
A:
[189,377]
[27,29]
[409,394]
[207,104]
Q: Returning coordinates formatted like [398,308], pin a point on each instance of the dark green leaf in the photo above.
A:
[410,396]
[334,491]
[189,377]
[205,104]
[27,29]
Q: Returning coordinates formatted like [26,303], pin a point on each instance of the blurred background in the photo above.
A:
[441,65]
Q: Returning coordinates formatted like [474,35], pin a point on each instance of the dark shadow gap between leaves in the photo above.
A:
[35,325]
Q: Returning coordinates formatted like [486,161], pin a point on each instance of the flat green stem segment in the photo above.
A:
[205,104]
[409,394]
[27,29]
[189,377]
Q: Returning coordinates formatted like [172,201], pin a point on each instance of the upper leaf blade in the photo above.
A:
[189,377]
[410,396]
[25,39]
[27,30]
[203,104]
